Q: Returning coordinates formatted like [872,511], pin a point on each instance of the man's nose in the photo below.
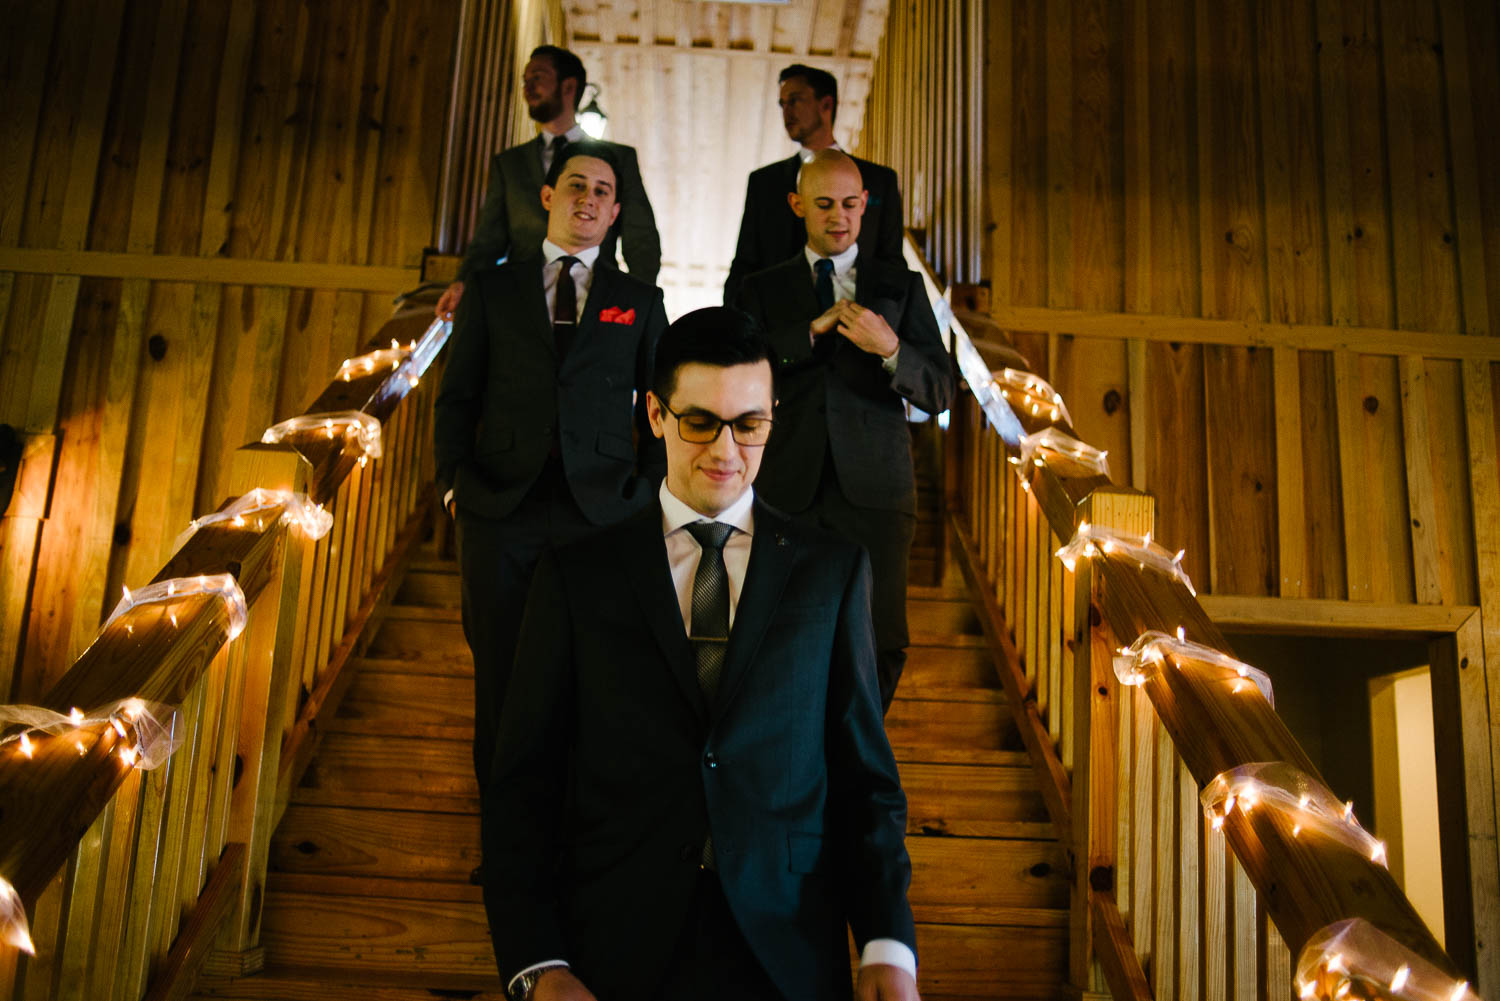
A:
[723,444]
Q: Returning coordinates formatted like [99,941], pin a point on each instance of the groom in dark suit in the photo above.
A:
[770,231]
[856,338]
[541,404]
[693,796]
[552,84]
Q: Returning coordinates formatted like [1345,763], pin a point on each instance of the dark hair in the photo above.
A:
[567,66]
[583,147]
[720,336]
[823,83]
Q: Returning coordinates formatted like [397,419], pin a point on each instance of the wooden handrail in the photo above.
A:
[1304,883]
[235,701]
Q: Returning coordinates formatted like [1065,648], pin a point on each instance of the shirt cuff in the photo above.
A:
[889,363]
[892,952]
[547,965]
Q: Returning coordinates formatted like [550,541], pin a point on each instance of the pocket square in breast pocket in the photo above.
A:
[627,317]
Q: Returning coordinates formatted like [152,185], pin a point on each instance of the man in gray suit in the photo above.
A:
[512,218]
[855,338]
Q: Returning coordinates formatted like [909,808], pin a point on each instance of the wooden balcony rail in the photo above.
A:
[1170,904]
[133,879]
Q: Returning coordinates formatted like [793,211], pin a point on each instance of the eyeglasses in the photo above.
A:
[703,429]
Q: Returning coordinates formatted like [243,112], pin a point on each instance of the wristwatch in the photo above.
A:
[524,984]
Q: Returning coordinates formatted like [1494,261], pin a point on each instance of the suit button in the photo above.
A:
[711,760]
[688,853]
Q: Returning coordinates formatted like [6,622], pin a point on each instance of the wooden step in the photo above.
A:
[940,615]
[374,770]
[957,731]
[408,705]
[325,985]
[405,638]
[431,587]
[970,801]
[430,856]
[948,667]
[437,944]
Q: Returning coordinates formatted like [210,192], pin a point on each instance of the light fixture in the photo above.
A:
[591,117]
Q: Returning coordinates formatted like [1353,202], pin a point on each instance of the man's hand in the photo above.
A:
[866,328]
[882,982]
[449,301]
[559,984]
[827,321]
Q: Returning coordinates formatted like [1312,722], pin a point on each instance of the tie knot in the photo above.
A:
[711,535]
[567,262]
[823,267]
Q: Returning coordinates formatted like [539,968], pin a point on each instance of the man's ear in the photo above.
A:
[546,198]
[864,201]
[655,416]
[795,201]
[614,213]
[568,91]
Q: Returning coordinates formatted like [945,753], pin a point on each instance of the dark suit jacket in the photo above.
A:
[513,217]
[504,401]
[770,231]
[611,769]
[838,399]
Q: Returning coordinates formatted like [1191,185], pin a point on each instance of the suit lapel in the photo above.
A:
[526,274]
[651,580]
[771,556]
[601,293]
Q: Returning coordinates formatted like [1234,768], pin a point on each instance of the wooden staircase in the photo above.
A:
[369,895]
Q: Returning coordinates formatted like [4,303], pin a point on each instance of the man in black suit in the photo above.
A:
[674,818]
[511,218]
[770,231]
[541,403]
[856,338]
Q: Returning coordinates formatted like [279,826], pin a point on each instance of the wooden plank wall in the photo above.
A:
[1268,164]
[923,118]
[200,200]
[486,114]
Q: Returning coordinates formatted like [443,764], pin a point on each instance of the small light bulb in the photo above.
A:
[119,727]
[171,588]
[1459,991]
[128,755]
[1399,980]
[173,617]
[81,749]
[76,716]
[1181,634]
[27,748]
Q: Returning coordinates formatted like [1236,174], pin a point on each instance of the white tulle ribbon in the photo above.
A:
[1353,958]
[363,429]
[1145,658]
[1089,541]
[1302,800]
[251,510]
[1050,444]
[221,585]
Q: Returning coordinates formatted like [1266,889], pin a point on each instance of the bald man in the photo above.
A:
[855,339]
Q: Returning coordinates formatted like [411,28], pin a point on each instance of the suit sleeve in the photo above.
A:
[491,239]
[867,808]
[460,397]
[789,333]
[639,239]
[924,372]
[891,238]
[651,452]
[521,818]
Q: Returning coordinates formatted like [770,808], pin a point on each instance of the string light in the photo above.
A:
[254,508]
[1144,659]
[1032,394]
[349,423]
[1290,792]
[221,585]
[147,728]
[381,359]
[1053,446]
[1090,541]
[1354,953]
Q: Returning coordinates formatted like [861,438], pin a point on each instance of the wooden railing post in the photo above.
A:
[269,700]
[1095,728]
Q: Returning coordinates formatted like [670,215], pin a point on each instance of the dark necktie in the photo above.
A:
[823,283]
[565,308]
[710,630]
[552,147]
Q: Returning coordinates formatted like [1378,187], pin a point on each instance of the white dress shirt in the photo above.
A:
[583,274]
[549,144]
[845,274]
[807,154]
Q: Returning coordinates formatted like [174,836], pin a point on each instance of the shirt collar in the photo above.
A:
[842,263]
[573,135]
[586,256]
[807,154]
[676,514]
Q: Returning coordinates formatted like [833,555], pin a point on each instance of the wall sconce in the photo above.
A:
[591,117]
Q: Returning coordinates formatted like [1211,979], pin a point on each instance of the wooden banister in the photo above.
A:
[1156,898]
[185,847]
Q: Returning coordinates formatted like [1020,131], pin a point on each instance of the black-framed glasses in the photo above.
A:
[699,428]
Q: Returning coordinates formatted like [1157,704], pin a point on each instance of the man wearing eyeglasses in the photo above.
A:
[856,339]
[693,795]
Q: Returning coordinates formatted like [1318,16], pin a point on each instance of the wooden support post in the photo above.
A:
[270,642]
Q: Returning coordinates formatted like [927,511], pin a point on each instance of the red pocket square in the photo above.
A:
[627,317]
[609,315]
